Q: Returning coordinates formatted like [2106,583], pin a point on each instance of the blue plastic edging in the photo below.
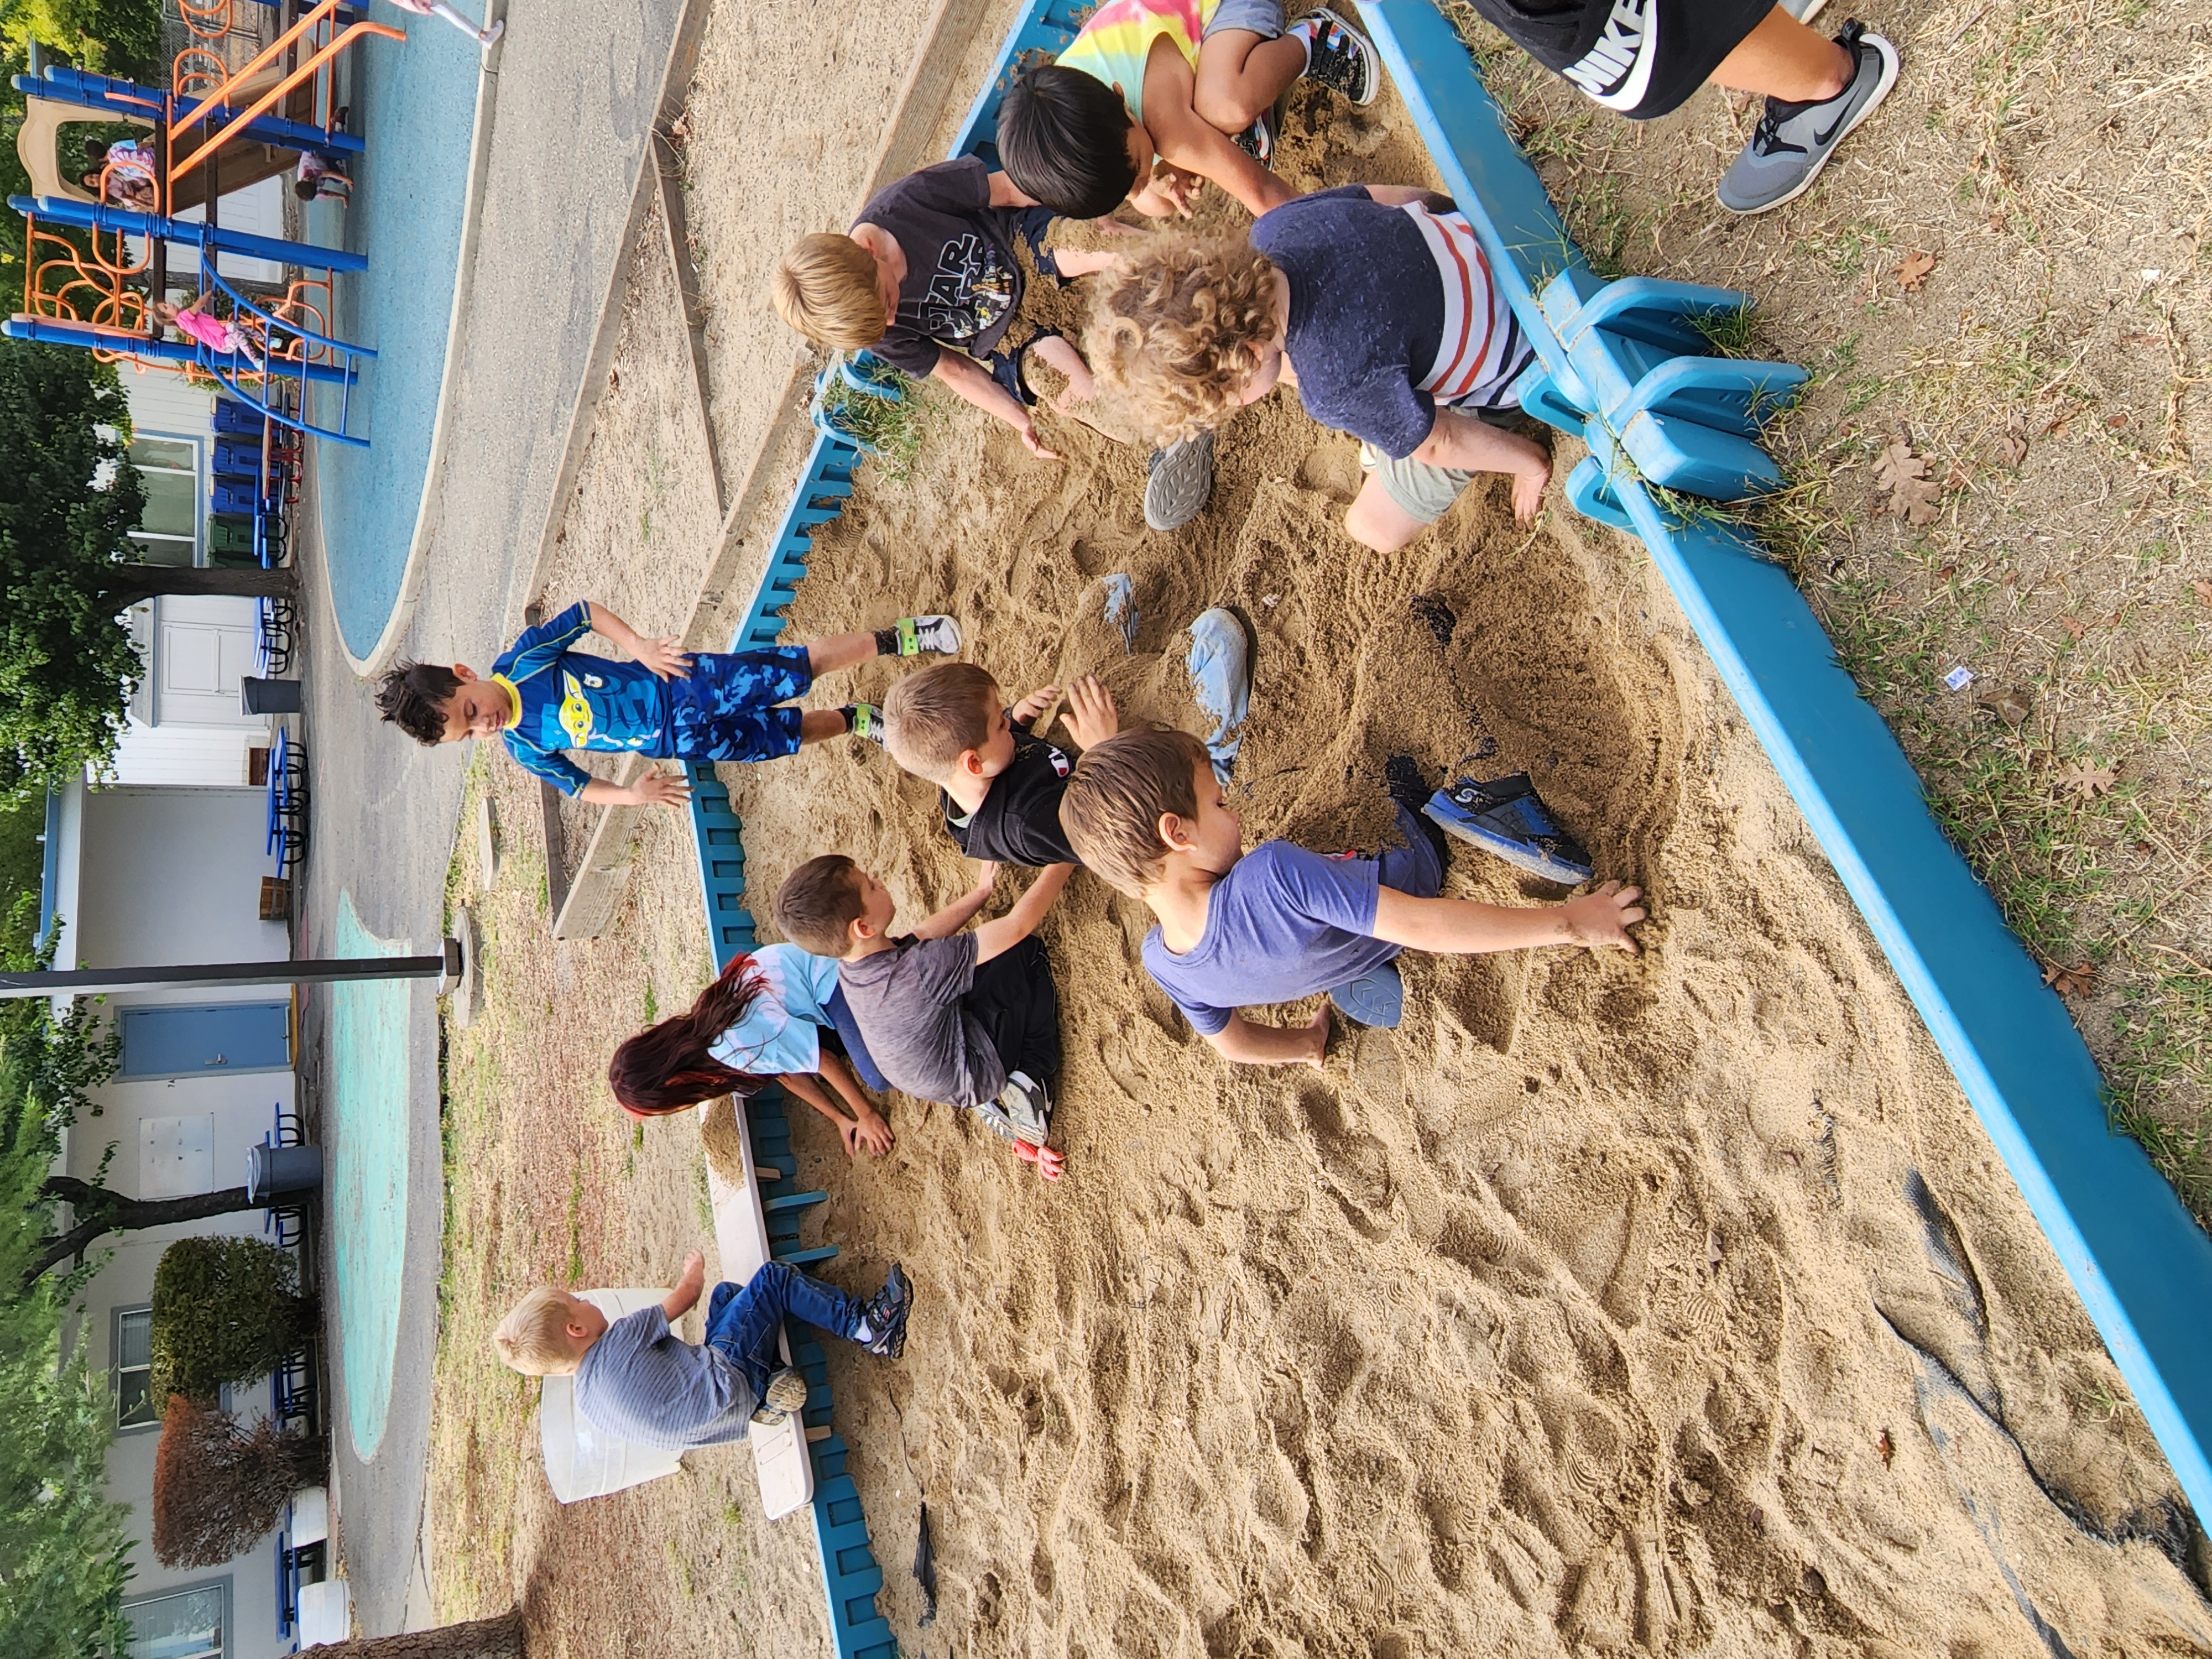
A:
[2139,1261]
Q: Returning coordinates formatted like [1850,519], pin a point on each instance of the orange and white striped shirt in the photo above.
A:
[1482,351]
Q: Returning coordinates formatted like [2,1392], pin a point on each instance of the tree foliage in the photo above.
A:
[68,500]
[219,1487]
[114,37]
[225,1311]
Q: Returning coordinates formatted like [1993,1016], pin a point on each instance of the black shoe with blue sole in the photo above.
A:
[1505,817]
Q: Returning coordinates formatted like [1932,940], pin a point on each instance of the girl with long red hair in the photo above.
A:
[772,1015]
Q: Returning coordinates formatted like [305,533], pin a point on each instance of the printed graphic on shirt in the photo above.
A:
[971,289]
[1617,68]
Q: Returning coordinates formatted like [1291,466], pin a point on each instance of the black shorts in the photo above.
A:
[1639,58]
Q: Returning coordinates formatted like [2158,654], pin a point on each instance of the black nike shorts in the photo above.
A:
[1639,57]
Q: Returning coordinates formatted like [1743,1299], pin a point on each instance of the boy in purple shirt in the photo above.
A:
[1145,814]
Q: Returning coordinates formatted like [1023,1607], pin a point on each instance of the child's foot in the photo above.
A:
[864,719]
[488,37]
[1339,55]
[1404,782]
[883,1316]
[786,1394]
[1258,140]
[1505,817]
[1178,482]
[915,634]
[1793,142]
[1377,997]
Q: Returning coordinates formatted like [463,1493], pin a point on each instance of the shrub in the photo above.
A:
[217,1487]
[115,36]
[225,1311]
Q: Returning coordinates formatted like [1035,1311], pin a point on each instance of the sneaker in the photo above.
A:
[1258,140]
[937,635]
[1178,482]
[885,1313]
[1405,783]
[1027,1107]
[1341,56]
[1505,817]
[787,1393]
[1793,142]
[864,719]
[1377,997]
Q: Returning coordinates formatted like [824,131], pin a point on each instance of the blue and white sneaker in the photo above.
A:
[1505,817]
[1377,997]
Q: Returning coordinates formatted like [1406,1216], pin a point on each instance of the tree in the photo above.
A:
[225,1311]
[219,1487]
[99,1212]
[498,1637]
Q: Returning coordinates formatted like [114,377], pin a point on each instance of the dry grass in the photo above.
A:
[2056,160]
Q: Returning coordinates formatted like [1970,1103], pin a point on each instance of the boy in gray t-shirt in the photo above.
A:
[638,1381]
[968,1018]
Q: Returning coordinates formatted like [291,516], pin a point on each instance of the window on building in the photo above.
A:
[134,1369]
[169,529]
[183,1624]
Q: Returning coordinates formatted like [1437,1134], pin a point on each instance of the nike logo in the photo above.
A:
[1616,70]
[1822,140]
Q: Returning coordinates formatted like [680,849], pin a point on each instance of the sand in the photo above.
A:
[1678,1304]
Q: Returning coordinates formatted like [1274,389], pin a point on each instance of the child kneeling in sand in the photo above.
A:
[638,1381]
[774,1012]
[669,703]
[1279,923]
[1376,301]
[967,1018]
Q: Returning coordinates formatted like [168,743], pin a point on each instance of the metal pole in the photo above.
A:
[208,976]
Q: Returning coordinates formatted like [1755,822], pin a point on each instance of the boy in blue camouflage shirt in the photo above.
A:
[543,698]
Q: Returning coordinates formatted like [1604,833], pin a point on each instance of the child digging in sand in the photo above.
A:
[1281,923]
[775,1012]
[966,1018]
[1376,301]
[667,702]
[638,1381]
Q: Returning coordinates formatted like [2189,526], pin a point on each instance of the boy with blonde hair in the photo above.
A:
[1377,301]
[1281,923]
[638,1381]
[968,1018]
[999,784]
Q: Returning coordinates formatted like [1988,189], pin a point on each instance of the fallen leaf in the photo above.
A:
[1913,269]
[2071,981]
[2012,443]
[1886,1447]
[2116,422]
[2074,627]
[2056,426]
[2204,591]
[1904,475]
[2086,781]
[1996,221]
[2012,707]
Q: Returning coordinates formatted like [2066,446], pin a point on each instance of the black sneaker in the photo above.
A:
[1506,817]
[886,1311]
[864,719]
[1342,58]
[1405,783]
[786,1394]
[1258,140]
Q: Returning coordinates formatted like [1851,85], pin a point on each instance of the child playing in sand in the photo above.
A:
[221,336]
[669,703]
[999,786]
[966,1018]
[1154,96]
[638,1381]
[1379,299]
[1279,923]
[775,1013]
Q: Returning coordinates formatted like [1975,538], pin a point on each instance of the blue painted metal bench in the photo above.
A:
[1619,368]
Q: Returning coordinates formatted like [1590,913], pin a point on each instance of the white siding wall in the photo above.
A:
[163,402]
[201,755]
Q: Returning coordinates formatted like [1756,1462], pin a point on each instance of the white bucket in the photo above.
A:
[580,1462]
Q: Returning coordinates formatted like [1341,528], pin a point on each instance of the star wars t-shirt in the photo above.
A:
[1018,822]
[962,281]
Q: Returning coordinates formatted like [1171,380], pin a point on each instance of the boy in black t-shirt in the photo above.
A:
[1002,786]
[928,279]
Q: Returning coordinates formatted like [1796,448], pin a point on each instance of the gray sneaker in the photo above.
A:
[1180,482]
[1794,141]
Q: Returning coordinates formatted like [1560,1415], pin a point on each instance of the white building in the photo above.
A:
[164,865]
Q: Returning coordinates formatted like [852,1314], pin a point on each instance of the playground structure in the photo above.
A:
[97,249]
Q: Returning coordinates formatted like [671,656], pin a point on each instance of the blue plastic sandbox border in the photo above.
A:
[2140,1262]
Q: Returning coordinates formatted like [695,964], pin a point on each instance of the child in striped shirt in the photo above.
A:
[1377,302]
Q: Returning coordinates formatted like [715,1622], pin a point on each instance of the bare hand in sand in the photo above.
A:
[1091,715]
[1601,920]
[986,876]
[1250,1043]
[1528,484]
[870,1133]
[1035,445]
[1033,705]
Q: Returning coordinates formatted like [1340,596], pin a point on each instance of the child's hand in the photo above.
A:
[866,1132]
[681,1300]
[1033,705]
[658,788]
[1602,919]
[986,876]
[1035,445]
[1091,716]
[664,657]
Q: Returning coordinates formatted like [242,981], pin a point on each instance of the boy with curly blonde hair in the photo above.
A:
[1376,301]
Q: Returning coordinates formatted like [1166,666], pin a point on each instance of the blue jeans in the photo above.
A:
[742,1321]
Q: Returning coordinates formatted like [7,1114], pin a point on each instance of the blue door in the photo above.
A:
[192,1041]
